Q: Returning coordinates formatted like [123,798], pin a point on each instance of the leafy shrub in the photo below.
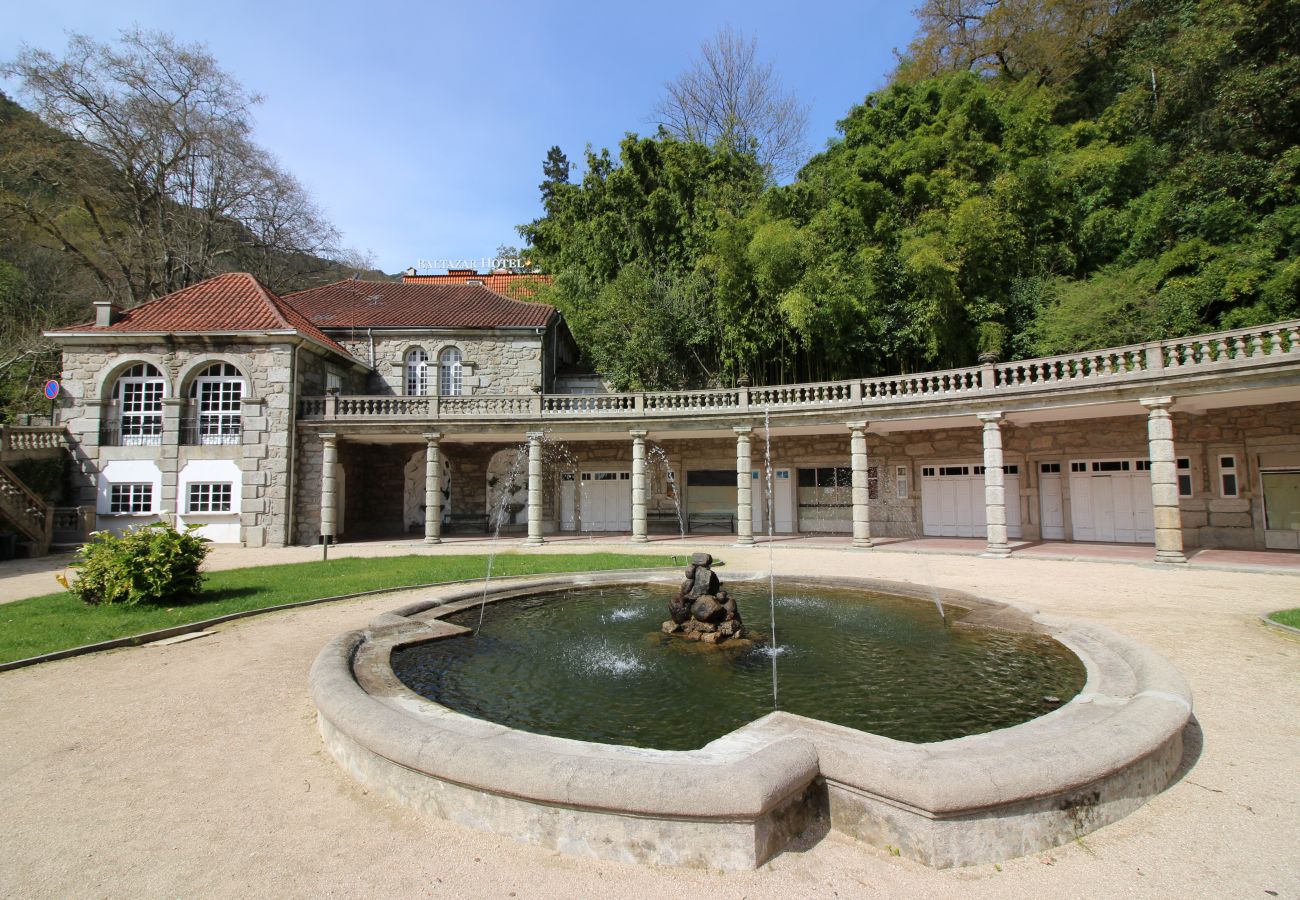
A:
[152,564]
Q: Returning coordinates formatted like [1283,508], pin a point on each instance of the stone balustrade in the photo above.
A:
[31,441]
[1245,348]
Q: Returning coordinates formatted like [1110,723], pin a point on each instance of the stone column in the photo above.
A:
[535,488]
[432,488]
[995,493]
[744,486]
[861,490]
[640,534]
[1164,481]
[328,484]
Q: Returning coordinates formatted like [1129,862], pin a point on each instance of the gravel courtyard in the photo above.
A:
[196,769]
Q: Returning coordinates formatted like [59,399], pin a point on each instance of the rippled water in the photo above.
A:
[593,665]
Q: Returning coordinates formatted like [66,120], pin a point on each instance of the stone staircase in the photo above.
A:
[29,515]
[23,509]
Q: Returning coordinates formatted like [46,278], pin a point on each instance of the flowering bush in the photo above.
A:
[152,564]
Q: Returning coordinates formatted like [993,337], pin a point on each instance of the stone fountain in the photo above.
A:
[701,610]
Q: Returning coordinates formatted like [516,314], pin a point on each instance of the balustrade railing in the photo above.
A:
[828,393]
[923,384]
[1227,350]
[32,439]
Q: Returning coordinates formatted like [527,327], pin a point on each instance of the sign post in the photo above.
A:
[51,394]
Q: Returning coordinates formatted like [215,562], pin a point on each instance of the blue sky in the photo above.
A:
[421,128]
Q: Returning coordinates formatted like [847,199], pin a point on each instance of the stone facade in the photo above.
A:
[894,505]
[504,362]
[379,482]
[263,448]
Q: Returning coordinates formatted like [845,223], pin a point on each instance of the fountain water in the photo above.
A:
[497,516]
[557,455]
[770,515]
[660,455]
[934,591]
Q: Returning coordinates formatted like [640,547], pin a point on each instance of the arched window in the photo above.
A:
[449,372]
[138,396]
[215,405]
[417,372]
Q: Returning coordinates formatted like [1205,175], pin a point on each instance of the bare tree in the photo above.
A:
[147,174]
[729,96]
[1047,39]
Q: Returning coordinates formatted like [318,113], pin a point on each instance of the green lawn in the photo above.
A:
[59,621]
[1287,617]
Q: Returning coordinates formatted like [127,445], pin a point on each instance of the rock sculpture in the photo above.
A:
[701,610]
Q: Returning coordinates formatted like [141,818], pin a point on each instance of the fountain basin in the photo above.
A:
[738,800]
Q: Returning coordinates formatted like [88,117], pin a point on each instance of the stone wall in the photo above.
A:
[492,362]
[1208,518]
[262,454]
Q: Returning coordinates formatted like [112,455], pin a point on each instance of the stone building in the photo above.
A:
[370,410]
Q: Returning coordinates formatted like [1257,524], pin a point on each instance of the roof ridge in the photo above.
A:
[272,299]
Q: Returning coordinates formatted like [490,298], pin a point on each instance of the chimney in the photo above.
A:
[106,313]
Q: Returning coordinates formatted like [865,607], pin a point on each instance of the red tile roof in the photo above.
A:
[382,304]
[518,285]
[234,302]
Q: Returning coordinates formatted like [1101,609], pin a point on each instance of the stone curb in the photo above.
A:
[147,637]
[981,798]
[1287,629]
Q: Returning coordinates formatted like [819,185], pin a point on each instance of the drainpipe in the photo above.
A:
[370,333]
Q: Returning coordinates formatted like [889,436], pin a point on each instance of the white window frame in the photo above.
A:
[1226,472]
[450,379]
[130,498]
[417,372]
[1183,466]
[901,486]
[138,394]
[209,495]
[217,395]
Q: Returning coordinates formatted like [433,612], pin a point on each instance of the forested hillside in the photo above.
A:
[1038,177]
[133,174]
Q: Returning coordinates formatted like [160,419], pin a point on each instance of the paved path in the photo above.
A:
[196,769]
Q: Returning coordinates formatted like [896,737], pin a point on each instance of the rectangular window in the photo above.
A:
[141,411]
[1184,477]
[1049,468]
[124,499]
[711,478]
[826,477]
[1144,465]
[210,497]
[873,483]
[220,410]
[1228,476]
[1078,467]
[1013,469]
[900,482]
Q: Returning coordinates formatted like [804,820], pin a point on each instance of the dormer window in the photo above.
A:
[449,376]
[417,372]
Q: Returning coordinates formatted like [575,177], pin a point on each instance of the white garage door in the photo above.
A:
[605,503]
[1110,500]
[952,500]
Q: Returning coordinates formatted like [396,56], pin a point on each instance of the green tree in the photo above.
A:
[653,211]
[555,171]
